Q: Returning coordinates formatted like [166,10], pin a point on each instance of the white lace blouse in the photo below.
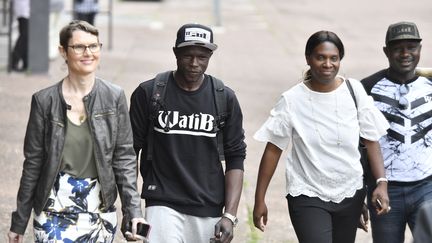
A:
[323,131]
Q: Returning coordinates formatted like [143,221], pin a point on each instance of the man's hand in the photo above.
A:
[260,215]
[364,218]
[380,199]
[224,232]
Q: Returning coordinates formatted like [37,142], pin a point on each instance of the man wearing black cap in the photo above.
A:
[184,123]
[406,101]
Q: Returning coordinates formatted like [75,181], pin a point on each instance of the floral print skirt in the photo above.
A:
[73,214]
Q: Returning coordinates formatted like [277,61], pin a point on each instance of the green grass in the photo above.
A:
[253,236]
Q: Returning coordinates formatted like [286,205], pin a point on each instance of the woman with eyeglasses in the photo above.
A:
[319,122]
[78,152]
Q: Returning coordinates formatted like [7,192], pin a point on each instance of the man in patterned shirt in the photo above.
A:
[405,100]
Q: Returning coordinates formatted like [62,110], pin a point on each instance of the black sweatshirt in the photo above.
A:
[185,173]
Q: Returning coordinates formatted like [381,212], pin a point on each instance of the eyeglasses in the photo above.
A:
[403,101]
[80,49]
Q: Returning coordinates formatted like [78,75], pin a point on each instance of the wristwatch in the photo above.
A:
[231,217]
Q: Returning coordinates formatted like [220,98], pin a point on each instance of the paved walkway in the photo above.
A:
[260,55]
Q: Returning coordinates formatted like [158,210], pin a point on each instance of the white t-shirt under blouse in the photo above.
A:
[323,129]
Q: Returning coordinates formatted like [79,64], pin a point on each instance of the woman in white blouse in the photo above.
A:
[321,122]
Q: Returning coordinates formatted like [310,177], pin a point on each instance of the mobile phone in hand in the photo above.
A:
[142,230]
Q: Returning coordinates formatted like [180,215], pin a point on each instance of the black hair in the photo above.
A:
[324,36]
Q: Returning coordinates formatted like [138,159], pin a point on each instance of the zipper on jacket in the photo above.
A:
[104,114]
[63,125]
[59,164]
[58,123]
[104,206]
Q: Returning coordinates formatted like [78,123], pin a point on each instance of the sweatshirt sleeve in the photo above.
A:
[234,145]
[139,112]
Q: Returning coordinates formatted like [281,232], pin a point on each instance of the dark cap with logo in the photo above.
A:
[402,31]
[195,35]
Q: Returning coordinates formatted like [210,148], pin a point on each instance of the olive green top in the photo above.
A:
[78,158]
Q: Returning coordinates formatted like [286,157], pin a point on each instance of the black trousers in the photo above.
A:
[20,51]
[317,221]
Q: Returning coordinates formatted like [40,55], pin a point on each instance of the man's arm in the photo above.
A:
[224,229]
[235,153]
[139,119]
[233,189]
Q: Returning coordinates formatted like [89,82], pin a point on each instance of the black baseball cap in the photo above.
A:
[195,35]
[402,31]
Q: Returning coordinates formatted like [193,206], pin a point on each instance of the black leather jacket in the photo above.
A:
[109,122]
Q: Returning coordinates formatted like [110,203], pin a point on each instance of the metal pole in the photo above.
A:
[38,61]
[11,18]
[217,14]
[110,25]
[73,9]
[4,12]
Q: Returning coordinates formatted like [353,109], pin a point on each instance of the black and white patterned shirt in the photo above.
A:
[407,147]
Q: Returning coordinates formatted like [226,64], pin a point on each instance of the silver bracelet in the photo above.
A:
[381,179]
